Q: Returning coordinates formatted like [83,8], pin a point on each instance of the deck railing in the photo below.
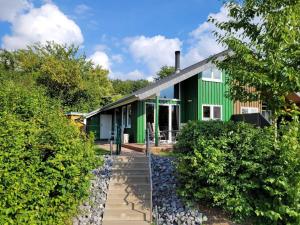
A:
[148,153]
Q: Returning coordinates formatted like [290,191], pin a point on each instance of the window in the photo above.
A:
[124,116]
[247,110]
[212,74]
[170,92]
[129,116]
[212,112]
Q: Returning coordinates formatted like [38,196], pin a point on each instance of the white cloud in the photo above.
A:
[46,23]
[81,9]
[10,9]
[154,52]
[100,58]
[203,43]
[132,75]
[118,58]
[101,47]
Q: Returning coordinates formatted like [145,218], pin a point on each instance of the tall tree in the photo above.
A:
[125,87]
[264,39]
[65,74]
[164,72]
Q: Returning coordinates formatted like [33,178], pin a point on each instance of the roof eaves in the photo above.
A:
[178,77]
[90,114]
[120,102]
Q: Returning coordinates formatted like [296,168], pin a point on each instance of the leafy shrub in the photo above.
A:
[242,169]
[45,162]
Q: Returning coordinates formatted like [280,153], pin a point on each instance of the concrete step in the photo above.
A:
[129,180]
[129,187]
[140,195]
[139,202]
[126,172]
[128,198]
[130,190]
[142,159]
[131,165]
[128,175]
[121,214]
[125,222]
[145,204]
[128,205]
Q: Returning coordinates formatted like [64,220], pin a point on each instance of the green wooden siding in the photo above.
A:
[189,100]
[214,93]
[140,122]
[93,125]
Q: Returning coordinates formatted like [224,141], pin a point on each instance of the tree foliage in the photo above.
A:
[65,74]
[264,39]
[45,161]
[238,167]
[126,87]
[164,72]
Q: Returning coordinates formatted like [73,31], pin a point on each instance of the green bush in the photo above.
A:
[45,162]
[242,169]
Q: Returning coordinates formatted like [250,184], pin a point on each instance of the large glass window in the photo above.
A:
[212,112]
[170,92]
[212,74]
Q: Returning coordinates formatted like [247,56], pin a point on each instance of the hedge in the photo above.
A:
[45,162]
[242,169]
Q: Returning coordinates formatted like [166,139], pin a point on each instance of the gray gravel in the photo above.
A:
[171,209]
[91,211]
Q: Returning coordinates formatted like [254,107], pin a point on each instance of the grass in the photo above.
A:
[101,151]
[168,154]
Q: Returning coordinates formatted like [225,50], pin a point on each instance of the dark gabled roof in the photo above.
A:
[164,83]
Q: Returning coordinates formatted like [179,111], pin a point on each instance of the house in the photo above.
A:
[197,92]
[77,119]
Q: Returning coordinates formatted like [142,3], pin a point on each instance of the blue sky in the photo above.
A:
[132,38]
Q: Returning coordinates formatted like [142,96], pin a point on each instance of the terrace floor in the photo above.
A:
[136,148]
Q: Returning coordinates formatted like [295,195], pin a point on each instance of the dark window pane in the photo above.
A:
[150,113]
[217,112]
[175,117]
[176,91]
[206,111]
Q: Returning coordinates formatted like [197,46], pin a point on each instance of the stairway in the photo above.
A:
[128,199]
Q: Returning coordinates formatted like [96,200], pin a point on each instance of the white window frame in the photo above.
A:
[251,108]
[128,125]
[212,112]
[211,79]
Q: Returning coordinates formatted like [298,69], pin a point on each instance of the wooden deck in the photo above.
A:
[142,147]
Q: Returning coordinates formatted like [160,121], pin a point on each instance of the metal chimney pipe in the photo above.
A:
[177,61]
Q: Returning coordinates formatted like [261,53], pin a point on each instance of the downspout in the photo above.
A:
[156,119]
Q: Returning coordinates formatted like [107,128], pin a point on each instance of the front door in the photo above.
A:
[168,122]
[105,126]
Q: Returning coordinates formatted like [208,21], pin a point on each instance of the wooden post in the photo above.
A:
[118,140]
[156,119]
[111,146]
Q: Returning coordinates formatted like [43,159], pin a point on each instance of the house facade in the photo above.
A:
[197,92]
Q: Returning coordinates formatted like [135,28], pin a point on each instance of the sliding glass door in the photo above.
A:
[164,122]
[168,121]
